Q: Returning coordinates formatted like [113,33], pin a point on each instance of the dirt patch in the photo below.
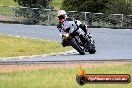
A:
[25,67]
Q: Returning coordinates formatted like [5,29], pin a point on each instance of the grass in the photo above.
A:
[6,10]
[59,77]
[8,3]
[12,46]
[56,4]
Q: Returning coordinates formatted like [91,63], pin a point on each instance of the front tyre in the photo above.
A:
[76,46]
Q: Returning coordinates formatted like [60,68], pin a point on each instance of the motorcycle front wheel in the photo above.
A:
[76,46]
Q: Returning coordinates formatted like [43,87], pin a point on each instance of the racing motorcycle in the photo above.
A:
[74,36]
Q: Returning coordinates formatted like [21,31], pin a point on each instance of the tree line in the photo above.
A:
[95,6]
[104,6]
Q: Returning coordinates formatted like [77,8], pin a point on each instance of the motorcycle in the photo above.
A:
[74,36]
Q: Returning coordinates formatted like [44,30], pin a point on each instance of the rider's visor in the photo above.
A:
[61,17]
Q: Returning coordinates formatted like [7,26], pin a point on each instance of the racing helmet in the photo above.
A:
[62,14]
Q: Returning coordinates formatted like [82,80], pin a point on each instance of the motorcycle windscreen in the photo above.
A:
[69,24]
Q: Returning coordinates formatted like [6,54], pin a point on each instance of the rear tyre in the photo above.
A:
[75,45]
[92,50]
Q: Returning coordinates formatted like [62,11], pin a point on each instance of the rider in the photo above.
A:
[62,16]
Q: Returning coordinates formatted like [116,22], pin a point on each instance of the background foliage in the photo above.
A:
[85,5]
[34,14]
[104,6]
[120,7]
[33,3]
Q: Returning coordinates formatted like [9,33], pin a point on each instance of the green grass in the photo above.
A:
[12,46]
[6,10]
[59,77]
[8,3]
[9,11]
[56,4]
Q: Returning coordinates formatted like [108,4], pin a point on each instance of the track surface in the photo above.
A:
[111,44]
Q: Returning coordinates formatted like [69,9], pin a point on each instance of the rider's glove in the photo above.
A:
[60,29]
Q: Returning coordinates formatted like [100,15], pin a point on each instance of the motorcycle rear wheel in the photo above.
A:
[92,50]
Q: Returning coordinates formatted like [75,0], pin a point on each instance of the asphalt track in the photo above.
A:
[111,44]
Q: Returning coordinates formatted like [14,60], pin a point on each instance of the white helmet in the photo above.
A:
[62,14]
